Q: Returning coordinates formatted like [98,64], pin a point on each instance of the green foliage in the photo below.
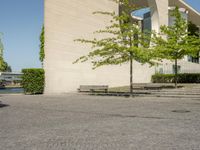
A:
[33,81]
[8,69]
[163,78]
[42,41]
[121,40]
[195,32]
[2,62]
[182,78]
[193,29]
[4,67]
[174,42]
[1,47]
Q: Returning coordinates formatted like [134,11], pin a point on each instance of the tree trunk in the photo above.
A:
[176,73]
[131,69]
[131,76]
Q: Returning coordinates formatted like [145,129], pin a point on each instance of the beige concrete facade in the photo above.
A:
[66,20]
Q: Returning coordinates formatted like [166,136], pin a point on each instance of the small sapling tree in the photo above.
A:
[125,43]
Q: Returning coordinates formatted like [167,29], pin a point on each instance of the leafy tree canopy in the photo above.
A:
[122,40]
[175,41]
[194,31]
[4,67]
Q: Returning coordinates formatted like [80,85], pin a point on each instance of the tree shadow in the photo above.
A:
[3,105]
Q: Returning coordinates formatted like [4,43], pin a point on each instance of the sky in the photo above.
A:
[194,3]
[21,22]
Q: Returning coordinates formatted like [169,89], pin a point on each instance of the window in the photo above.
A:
[193,59]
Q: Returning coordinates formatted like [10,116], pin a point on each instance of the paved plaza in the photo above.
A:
[83,122]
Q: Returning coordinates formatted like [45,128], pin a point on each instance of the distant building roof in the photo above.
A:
[193,16]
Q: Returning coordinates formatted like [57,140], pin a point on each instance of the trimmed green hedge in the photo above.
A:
[33,81]
[182,78]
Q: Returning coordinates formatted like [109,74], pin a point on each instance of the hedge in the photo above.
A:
[182,78]
[33,81]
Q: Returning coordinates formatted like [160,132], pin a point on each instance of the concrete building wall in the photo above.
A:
[66,20]
[159,13]
[184,67]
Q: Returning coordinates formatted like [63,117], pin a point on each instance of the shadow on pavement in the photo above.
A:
[3,105]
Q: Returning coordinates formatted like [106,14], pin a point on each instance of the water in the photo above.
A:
[11,90]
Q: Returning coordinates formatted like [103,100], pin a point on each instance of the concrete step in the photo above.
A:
[177,93]
[179,96]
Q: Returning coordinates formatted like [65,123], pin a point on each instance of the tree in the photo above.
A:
[194,31]
[8,69]
[174,42]
[123,41]
[1,52]
[4,67]
[42,40]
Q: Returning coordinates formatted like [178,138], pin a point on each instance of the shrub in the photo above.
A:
[182,78]
[33,81]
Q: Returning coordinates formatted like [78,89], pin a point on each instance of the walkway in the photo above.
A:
[83,122]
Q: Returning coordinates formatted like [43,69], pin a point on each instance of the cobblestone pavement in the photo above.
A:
[81,122]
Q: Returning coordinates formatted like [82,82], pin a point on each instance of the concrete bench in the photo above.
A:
[153,87]
[93,88]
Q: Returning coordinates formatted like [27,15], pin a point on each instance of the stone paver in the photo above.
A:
[82,122]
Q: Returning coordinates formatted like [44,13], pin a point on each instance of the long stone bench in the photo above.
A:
[93,88]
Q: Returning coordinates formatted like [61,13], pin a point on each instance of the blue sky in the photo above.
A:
[194,3]
[21,22]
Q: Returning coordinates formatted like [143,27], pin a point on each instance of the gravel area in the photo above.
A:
[83,122]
